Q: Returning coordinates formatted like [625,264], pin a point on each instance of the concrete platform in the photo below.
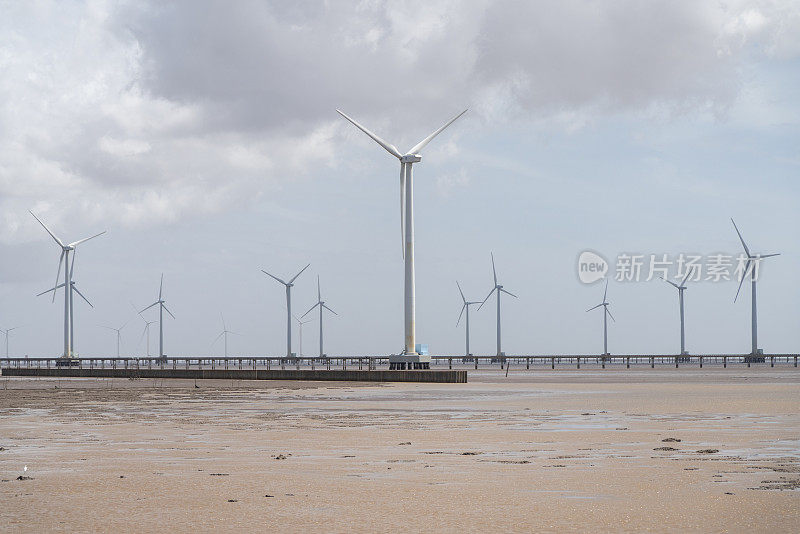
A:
[453,377]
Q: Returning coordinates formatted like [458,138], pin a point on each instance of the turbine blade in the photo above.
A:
[59,286]
[330,310]
[509,293]
[494,272]
[487,298]
[747,250]
[689,272]
[143,332]
[60,243]
[147,308]
[223,321]
[78,291]
[58,272]
[744,275]
[85,239]
[606,291]
[319,291]
[671,282]
[762,256]
[298,274]
[391,149]
[275,277]
[609,314]
[403,208]
[161,286]
[217,338]
[419,146]
[309,310]
[167,310]
[594,307]
[462,293]
[460,314]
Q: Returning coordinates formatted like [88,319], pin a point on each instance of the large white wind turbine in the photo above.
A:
[681,288]
[289,286]
[751,266]
[498,288]
[118,331]
[606,314]
[321,304]
[407,160]
[224,334]
[68,269]
[465,307]
[161,307]
[7,331]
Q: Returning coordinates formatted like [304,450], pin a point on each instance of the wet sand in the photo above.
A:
[542,450]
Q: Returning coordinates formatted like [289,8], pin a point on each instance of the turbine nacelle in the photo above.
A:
[411,158]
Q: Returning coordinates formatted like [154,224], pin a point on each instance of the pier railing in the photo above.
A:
[441,362]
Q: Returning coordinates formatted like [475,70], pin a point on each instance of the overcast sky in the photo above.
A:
[203,136]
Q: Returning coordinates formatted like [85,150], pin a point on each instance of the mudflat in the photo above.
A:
[663,450]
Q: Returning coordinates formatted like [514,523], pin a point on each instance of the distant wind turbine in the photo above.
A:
[606,314]
[300,334]
[407,230]
[224,334]
[681,288]
[67,285]
[7,331]
[146,330]
[465,307]
[289,286]
[161,307]
[118,331]
[321,304]
[751,266]
[498,288]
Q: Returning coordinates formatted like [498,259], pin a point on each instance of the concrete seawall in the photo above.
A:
[453,377]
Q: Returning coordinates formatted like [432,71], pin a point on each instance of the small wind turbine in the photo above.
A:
[146,330]
[161,307]
[300,334]
[68,285]
[606,314]
[6,332]
[498,288]
[681,288]
[289,286]
[321,304]
[118,331]
[406,220]
[464,307]
[224,334]
[751,266]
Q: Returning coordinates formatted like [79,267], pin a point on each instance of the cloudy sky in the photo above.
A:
[203,136]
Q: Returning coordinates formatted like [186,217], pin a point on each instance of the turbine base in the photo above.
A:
[403,362]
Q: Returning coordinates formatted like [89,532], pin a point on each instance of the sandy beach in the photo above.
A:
[614,450]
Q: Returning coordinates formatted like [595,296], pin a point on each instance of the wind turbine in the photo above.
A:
[289,286]
[751,265]
[161,307]
[6,332]
[68,285]
[224,333]
[300,334]
[407,160]
[118,331]
[606,314]
[321,304]
[73,287]
[681,288]
[146,330]
[498,288]
[464,307]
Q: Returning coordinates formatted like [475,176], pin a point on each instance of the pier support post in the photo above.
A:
[676,362]
[450,363]
[772,361]
[724,362]
[701,362]
[628,362]
[579,362]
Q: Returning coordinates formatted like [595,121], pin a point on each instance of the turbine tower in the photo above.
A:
[119,333]
[289,286]
[606,314]
[68,285]
[681,288]
[751,265]
[161,307]
[73,287]
[7,331]
[498,288]
[464,307]
[146,330]
[224,333]
[321,304]
[409,357]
